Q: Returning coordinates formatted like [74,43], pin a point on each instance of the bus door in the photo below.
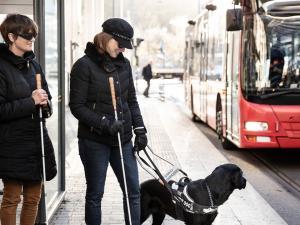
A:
[195,72]
[195,87]
[232,104]
[203,67]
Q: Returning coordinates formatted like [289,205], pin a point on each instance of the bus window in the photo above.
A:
[271,57]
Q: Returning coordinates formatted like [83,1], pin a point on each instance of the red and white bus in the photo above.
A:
[242,71]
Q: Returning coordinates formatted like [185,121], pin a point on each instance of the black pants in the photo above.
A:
[146,92]
[95,158]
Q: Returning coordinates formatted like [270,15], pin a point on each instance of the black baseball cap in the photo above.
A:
[121,31]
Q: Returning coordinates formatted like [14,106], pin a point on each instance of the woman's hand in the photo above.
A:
[141,140]
[40,97]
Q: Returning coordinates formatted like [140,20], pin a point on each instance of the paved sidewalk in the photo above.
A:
[173,136]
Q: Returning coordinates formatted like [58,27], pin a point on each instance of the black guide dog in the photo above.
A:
[156,200]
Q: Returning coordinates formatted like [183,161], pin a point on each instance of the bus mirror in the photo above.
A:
[234,19]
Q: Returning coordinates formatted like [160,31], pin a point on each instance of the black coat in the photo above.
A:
[147,72]
[20,144]
[90,97]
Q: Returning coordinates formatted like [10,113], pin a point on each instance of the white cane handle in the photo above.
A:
[113,93]
[38,81]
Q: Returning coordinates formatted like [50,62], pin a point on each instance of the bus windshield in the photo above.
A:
[271,54]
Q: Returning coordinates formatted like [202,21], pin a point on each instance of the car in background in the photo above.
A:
[167,73]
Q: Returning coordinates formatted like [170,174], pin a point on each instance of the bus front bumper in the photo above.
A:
[251,140]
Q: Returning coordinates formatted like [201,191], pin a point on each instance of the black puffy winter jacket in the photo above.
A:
[90,97]
[20,145]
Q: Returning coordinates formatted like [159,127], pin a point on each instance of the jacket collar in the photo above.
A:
[20,62]
[108,63]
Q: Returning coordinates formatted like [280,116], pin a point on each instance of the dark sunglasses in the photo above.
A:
[28,36]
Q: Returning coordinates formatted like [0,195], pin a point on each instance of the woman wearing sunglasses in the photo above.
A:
[20,145]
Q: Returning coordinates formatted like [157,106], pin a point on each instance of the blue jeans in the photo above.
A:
[95,158]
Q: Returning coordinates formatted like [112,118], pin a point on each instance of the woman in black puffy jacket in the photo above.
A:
[91,104]
[20,144]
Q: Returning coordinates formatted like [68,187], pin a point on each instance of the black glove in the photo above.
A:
[140,141]
[111,127]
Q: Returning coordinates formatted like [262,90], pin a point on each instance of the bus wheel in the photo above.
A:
[226,144]
[195,118]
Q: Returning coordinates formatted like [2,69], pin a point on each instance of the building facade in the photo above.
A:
[65,26]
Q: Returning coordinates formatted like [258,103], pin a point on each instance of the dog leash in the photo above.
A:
[180,170]
[154,168]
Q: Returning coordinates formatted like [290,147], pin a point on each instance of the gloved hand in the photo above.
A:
[111,127]
[47,109]
[140,141]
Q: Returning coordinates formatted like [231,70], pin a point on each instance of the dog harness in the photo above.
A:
[183,202]
[178,190]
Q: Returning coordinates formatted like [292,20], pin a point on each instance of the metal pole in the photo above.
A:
[113,97]
[39,86]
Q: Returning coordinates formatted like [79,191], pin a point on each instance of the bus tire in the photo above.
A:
[226,144]
[195,118]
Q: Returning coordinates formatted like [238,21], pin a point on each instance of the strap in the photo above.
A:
[180,170]
[146,163]
[182,199]
[158,172]
[179,211]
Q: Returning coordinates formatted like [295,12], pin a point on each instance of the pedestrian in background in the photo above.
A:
[20,143]
[91,104]
[147,74]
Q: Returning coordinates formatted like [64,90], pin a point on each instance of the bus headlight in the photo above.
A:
[256,126]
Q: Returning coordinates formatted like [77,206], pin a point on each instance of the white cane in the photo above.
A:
[113,97]
[39,86]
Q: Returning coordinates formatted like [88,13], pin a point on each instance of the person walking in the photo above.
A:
[91,103]
[20,144]
[147,74]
